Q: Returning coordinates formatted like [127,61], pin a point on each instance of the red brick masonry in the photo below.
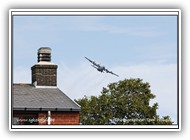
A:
[41,118]
[65,118]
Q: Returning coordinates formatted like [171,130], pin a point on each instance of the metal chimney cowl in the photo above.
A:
[44,54]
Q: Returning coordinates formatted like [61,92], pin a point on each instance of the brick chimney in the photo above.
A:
[44,73]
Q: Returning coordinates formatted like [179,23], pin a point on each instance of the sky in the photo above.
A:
[142,47]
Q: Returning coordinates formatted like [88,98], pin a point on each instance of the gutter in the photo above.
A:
[45,109]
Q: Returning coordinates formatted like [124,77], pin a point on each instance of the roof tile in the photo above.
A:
[26,96]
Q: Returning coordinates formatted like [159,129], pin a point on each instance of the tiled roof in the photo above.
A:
[28,97]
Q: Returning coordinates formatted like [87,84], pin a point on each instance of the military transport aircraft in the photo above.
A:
[100,68]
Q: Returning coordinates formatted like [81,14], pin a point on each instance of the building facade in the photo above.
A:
[41,102]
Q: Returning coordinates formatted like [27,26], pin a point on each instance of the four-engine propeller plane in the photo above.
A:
[100,68]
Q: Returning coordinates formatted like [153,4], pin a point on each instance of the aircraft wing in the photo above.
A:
[111,72]
[93,62]
[89,60]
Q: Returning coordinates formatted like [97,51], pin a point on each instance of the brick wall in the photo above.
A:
[65,118]
[45,75]
[41,118]
[25,118]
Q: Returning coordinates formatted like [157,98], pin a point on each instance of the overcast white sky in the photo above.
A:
[131,46]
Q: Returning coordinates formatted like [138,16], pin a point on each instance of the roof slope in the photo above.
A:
[28,97]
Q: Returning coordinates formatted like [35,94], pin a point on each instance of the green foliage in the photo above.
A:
[124,102]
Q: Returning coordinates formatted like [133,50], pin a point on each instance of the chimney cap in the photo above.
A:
[44,50]
[44,54]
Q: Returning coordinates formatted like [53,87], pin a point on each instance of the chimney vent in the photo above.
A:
[44,54]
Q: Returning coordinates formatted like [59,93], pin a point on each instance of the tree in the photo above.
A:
[123,102]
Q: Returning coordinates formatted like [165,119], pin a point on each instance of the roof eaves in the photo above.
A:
[45,109]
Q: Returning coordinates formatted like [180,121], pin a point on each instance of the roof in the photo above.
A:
[28,97]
